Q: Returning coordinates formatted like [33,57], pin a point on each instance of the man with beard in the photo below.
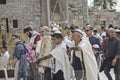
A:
[34,37]
[111,50]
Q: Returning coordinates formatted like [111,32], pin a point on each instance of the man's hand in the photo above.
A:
[43,58]
[114,61]
[14,62]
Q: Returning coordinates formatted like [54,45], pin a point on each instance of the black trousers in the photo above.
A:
[47,74]
[58,76]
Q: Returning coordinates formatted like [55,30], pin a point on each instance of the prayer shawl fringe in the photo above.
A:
[59,53]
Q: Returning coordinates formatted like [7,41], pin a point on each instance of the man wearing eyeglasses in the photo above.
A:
[19,61]
[93,40]
[42,49]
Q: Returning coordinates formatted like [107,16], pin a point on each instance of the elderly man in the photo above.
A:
[111,51]
[83,57]
[43,47]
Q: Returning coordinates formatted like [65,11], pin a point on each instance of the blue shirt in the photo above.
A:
[19,49]
[94,40]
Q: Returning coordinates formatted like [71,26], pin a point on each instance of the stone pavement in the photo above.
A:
[102,76]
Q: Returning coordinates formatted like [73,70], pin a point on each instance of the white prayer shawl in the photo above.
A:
[38,47]
[34,34]
[89,59]
[59,53]
[67,42]
[45,47]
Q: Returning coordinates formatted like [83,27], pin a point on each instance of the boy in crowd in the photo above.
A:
[4,53]
[60,64]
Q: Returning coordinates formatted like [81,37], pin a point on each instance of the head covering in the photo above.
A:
[4,47]
[57,35]
[90,26]
[45,28]
[103,34]
[55,29]
[96,46]
[95,30]
[78,30]
[58,32]
[117,31]
[27,29]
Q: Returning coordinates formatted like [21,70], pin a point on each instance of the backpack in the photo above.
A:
[30,54]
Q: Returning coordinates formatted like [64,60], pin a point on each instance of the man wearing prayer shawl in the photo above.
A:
[83,50]
[61,68]
[43,47]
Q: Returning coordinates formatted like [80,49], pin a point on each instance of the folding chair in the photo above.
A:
[3,66]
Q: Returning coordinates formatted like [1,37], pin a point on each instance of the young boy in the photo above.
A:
[96,50]
[4,53]
[60,63]
[97,53]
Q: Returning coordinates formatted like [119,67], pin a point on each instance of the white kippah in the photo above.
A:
[55,29]
[117,30]
[78,30]
[57,32]
[96,46]
[103,34]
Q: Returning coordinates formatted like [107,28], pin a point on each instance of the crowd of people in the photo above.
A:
[67,54]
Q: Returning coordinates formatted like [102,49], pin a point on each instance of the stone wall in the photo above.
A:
[27,12]
[110,17]
[75,13]
[96,16]
[34,12]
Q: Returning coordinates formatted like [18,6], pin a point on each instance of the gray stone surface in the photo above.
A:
[102,76]
[25,11]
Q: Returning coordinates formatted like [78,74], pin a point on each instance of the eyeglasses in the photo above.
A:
[87,30]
